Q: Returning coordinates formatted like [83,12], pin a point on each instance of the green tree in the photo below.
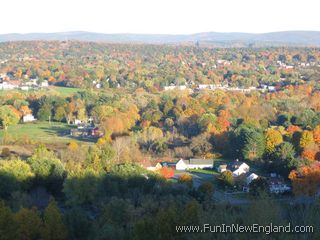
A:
[306,139]
[226,178]
[44,112]
[8,117]
[48,169]
[54,228]
[29,224]
[250,143]
[8,226]
[59,114]
[259,186]
[14,175]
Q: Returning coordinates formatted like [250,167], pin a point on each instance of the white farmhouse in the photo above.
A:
[194,164]
[181,165]
[238,168]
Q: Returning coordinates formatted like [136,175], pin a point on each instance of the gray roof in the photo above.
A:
[195,161]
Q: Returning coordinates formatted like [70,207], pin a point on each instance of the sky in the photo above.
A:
[158,16]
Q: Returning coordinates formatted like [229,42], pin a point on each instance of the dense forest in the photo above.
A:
[100,189]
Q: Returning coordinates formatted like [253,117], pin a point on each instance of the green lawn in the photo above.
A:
[40,132]
[206,171]
[65,91]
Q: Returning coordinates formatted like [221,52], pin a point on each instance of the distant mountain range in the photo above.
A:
[296,38]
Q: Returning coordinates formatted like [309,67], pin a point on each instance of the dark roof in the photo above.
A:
[167,164]
[235,165]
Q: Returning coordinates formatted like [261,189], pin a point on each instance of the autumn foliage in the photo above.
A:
[306,180]
[167,172]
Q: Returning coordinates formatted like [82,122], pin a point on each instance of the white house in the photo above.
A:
[8,86]
[277,184]
[175,87]
[251,177]
[28,118]
[203,86]
[222,168]
[181,165]
[24,88]
[44,84]
[238,168]
[182,87]
[167,88]
[77,122]
[194,164]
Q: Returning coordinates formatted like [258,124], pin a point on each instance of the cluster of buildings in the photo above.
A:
[224,87]
[85,129]
[237,168]
[6,83]
[275,182]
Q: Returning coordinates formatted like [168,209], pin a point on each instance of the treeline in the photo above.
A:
[123,201]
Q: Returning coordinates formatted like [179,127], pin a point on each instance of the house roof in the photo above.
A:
[235,165]
[167,164]
[223,166]
[195,161]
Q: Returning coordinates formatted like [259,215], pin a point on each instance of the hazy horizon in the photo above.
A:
[165,17]
[138,33]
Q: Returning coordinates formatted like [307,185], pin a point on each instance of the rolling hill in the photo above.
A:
[297,38]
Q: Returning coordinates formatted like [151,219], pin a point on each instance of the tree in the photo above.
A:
[166,172]
[250,143]
[273,139]
[78,224]
[200,145]
[8,117]
[150,135]
[258,186]
[305,180]
[291,129]
[283,157]
[206,190]
[8,226]
[81,187]
[5,152]
[48,169]
[54,228]
[44,112]
[45,164]
[59,114]
[73,146]
[306,139]
[226,178]
[316,134]
[311,152]
[207,122]
[186,178]
[29,224]
[14,175]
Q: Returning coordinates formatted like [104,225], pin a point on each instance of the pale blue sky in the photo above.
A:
[158,16]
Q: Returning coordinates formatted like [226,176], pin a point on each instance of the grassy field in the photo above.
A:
[206,171]
[65,91]
[40,132]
